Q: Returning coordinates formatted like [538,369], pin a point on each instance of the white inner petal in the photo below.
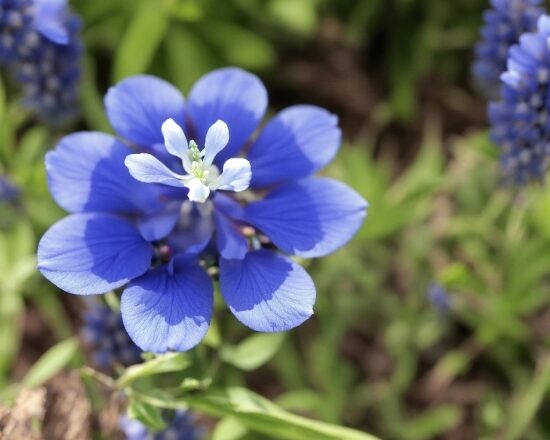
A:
[236,176]
[175,141]
[202,176]
[217,138]
[198,191]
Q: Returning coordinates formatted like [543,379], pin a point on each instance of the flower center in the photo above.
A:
[202,176]
[199,169]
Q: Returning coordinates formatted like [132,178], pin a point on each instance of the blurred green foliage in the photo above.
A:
[378,356]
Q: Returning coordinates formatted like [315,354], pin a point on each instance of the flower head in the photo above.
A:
[520,123]
[105,334]
[504,23]
[40,43]
[8,192]
[181,425]
[439,298]
[16,21]
[151,216]
[201,175]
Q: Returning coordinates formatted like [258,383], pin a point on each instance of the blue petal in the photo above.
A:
[267,291]
[157,226]
[231,242]
[310,217]
[50,20]
[298,142]
[232,95]
[86,172]
[92,253]
[228,206]
[147,168]
[194,230]
[168,311]
[138,106]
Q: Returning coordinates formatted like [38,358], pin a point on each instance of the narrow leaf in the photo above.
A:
[53,361]
[141,40]
[254,351]
[162,364]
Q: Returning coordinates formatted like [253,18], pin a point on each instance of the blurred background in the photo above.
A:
[435,321]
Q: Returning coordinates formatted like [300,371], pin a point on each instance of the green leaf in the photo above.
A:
[92,100]
[22,241]
[185,10]
[162,364]
[30,149]
[254,351]
[425,174]
[433,422]
[298,16]
[213,337]
[11,314]
[240,46]
[198,59]
[302,400]
[147,414]
[255,412]
[53,361]
[229,428]
[142,39]
[24,268]
[528,401]
[49,303]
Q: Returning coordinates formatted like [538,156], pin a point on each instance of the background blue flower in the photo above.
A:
[151,236]
[181,425]
[504,24]
[439,298]
[107,338]
[41,46]
[520,119]
[8,191]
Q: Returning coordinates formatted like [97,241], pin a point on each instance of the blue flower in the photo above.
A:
[439,298]
[40,43]
[24,22]
[520,123]
[105,334]
[8,192]
[147,216]
[16,22]
[503,26]
[181,425]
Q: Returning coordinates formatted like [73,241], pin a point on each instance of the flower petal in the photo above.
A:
[194,230]
[50,20]
[198,192]
[147,168]
[310,217]
[176,142]
[157,226]
[86,172]
[267,291]
[235,176]
[138,106]
[168,311]
[296,143]
[92,253]
[232,95]
[217,138]
[228,206]
[230,241]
